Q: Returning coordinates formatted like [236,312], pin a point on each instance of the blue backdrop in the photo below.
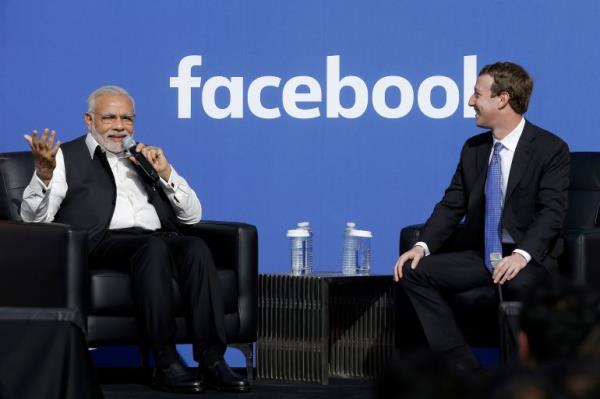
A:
[305,147]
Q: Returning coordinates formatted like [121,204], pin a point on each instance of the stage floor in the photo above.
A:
[131,383]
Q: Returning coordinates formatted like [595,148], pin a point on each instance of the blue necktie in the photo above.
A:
[493,207]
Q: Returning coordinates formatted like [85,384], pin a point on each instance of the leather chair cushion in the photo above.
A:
[584,191]
[16,170]
[582,212]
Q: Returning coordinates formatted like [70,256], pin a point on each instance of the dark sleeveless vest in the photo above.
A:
[91,196]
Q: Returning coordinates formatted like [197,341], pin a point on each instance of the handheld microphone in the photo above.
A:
[129,145]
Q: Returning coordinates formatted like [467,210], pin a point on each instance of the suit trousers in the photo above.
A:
[153,260]
[438,275]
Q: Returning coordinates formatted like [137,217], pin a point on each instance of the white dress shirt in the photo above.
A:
[132,209]
[507,153]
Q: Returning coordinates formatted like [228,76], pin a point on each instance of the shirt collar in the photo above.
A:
[510,141]
[91,144]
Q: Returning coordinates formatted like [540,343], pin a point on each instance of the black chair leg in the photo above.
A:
[248,350]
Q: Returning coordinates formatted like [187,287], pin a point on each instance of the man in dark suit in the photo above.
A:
[510,191]
[134,223]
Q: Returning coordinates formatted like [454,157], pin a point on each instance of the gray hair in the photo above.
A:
[107,90]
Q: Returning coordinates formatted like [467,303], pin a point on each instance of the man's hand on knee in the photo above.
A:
[508,268]
[415,254]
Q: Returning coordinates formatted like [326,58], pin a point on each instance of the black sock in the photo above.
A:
[213,354]
[166,356]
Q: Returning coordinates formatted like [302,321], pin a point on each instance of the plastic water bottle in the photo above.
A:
[299,254]
[309,246]
[363,251]
[349,250]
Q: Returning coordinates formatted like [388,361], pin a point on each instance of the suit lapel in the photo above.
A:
[521,159]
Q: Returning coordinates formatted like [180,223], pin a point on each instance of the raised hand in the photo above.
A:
[157,159]
[44,153]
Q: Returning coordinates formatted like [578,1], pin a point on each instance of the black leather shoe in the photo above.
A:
[462,359]
[221,377]
[176,378]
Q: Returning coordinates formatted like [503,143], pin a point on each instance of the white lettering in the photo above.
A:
[254,101]
[469,79]
[452,97]
[184,83]
[235,87]
[334,86]
[291,97]
[300,90]
[407,96]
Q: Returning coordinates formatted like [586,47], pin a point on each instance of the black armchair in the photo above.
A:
[580,262]
[45,265]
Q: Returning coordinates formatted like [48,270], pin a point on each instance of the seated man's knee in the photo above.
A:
[409,274]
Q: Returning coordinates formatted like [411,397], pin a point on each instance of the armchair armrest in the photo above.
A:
[581,259]
[53,314]
[409,236]
[43,265]
[235,246]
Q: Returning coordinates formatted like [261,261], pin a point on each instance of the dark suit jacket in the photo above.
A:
[534,206]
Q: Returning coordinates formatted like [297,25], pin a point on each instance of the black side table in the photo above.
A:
[315,327]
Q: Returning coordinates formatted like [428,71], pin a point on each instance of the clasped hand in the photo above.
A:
[508,268]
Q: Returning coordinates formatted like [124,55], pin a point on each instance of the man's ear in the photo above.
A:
[524,350]
[88,121]
[504,99]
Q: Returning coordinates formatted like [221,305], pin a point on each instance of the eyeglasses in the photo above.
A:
[109,119]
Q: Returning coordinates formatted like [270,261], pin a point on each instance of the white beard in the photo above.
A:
[106,143]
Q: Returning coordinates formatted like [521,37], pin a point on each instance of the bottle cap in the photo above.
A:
[350,224]
[301,233]
[361,233]
[303,224]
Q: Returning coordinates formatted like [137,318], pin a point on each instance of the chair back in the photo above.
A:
[16,169]
[584,191]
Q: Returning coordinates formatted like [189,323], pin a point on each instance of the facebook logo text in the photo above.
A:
[302,96]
